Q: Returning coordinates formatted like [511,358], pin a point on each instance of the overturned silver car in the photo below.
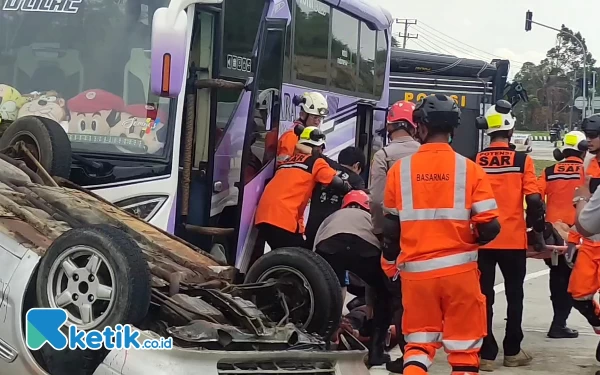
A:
[64,247]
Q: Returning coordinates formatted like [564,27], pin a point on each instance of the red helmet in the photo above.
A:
[357,197]
[401,111]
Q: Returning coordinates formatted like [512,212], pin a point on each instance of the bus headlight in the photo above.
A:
[144,207]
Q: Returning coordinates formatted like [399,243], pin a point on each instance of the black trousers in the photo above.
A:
[277,237]
[367,266]
[562,302]
[513,265]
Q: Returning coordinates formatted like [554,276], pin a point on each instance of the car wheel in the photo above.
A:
[311,289]
[98,274]
[45,139]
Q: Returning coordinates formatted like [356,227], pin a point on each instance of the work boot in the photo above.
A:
[486,365]
[395,367]
[377,355]
[564,332]
[521,359]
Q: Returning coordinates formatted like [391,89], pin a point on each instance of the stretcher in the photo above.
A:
[552,252]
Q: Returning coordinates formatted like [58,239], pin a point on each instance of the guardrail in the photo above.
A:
[540,138]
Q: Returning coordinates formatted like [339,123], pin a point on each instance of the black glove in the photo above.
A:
[536,239]
[551,235]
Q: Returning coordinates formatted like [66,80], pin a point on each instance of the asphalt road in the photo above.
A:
[542,150]
[566,356]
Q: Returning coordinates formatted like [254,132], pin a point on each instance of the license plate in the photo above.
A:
[519,141]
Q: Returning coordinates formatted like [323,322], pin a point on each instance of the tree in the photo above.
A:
[395,42]
[550,83]
[567,55]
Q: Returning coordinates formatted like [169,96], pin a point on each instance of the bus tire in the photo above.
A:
[325,288]
[46,140]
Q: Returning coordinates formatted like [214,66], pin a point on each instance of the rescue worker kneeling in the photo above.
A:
[285,197]
[557,185]
[432,201]
[512,176]
[346,240]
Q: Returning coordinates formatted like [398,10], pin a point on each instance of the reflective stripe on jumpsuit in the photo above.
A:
[463,323]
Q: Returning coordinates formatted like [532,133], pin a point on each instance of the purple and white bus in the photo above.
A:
[159,97]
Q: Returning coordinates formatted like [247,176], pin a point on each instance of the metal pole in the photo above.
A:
[593,92]
[584,113]
[573,86]
[405,34]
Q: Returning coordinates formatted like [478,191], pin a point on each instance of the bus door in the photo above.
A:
[245,149]
[370,133]
[263,130]
[364,134]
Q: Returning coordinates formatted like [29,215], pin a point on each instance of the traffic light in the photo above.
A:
[528,19]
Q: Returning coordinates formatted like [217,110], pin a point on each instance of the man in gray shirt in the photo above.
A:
[400,129]
[346,241]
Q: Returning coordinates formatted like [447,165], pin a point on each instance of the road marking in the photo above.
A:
[530,276]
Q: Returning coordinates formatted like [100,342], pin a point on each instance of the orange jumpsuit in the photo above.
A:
[287,143]
[287,194]
[512,176]
[557,184]
[585,278]
[438,194]
[286,148]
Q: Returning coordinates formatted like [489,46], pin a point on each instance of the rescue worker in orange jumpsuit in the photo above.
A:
[584,282]
[285,197]
[401,130]
[512,176]
[313,108]
[557,185]
[439,207]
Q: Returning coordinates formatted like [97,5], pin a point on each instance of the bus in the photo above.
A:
[169,104]
[473,84]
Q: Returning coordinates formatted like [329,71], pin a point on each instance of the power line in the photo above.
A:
[422,48]
[463,43]
[435,46]
[452,46]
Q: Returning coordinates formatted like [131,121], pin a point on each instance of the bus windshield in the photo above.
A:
[86,65]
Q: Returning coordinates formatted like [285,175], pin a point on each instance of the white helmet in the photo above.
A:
[314,103]
[575,140]
[312,136]
[499,117]
[263,98]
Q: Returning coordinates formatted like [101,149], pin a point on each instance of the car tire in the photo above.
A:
[120,260]
[131,278]
[327,303]
[48,142]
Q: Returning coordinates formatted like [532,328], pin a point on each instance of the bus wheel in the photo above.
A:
[311,295]
[45,139]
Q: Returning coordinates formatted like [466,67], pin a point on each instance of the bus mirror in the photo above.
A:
[169,48]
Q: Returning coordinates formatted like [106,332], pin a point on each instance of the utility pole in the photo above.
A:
[593,92]
[529,21]
[406,35]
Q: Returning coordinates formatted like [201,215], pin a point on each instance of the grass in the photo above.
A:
[541,164]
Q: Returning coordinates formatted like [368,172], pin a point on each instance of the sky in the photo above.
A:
[491,29]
